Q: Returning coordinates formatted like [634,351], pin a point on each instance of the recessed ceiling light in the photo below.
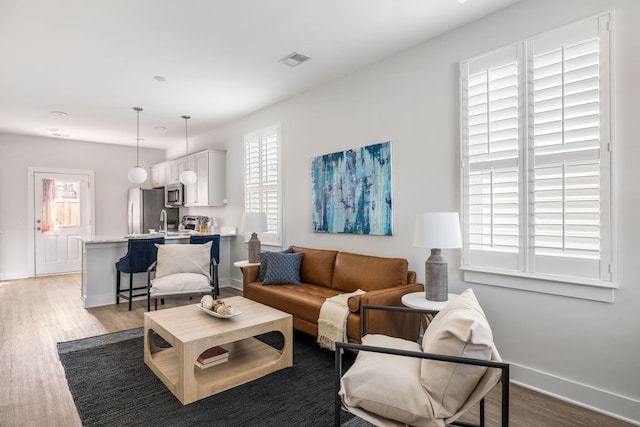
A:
[160,128]
[58,113]
[61,135]
[294,59]
[160,78]
[54,129]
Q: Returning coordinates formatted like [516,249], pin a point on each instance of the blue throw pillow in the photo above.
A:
[283,269]
[263,262]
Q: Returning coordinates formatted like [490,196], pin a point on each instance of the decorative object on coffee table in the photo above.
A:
[437,230]
[254,223]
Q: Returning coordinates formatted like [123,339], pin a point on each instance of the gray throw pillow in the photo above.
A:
[283,269]
[263,262]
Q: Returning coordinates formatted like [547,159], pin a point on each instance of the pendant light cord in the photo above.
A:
[137,109]
[186,137]
[186,132]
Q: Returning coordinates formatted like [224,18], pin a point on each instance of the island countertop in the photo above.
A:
[101,252]
[117,239]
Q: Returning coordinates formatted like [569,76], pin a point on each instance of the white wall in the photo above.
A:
[579,350]
[18,153]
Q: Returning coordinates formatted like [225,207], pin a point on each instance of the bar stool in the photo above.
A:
[141,253]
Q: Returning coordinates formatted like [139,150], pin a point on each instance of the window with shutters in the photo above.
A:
[262,179]
[537,163]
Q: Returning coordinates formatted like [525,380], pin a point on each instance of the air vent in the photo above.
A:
[294,59]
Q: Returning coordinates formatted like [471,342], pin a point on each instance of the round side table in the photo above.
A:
[418,300]
[244,263]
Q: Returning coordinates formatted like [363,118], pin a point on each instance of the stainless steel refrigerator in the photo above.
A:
[144,207]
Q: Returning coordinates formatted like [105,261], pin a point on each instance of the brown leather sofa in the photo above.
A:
[326,273]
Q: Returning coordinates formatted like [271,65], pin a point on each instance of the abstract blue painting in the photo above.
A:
[352,191]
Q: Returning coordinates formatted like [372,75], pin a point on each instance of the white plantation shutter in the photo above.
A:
[569,151]
[491,134]
[262,182]
[536,155]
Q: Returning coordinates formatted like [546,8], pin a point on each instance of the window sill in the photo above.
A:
[589,290]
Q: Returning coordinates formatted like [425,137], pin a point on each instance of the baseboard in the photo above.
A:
[14,276]
[235,284]
[598,400]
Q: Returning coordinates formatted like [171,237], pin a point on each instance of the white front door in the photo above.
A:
[62,212]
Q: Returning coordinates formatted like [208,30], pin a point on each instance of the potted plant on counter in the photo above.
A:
[172,224]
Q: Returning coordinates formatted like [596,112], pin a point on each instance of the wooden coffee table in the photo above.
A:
[190,331]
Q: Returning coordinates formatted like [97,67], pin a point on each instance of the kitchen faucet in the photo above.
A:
[163,217]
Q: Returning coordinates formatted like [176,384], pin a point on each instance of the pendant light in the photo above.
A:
[187,177]
[137,175]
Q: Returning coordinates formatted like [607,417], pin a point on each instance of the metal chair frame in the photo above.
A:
[213,273]
[503,366]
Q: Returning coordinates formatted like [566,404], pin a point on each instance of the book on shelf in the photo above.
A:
[213,354]
[210,364]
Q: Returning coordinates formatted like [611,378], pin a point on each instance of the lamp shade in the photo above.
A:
[137,175]
[254,222]
[437,230]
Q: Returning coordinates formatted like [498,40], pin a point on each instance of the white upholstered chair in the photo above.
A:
[182,270]
[396,382]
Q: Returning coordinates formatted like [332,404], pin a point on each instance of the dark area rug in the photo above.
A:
[111,385]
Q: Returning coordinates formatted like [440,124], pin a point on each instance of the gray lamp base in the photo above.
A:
[437,286]
[254,248]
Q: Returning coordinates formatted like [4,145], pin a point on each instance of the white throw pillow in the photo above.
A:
[460,329]
[382,387]
[180,283]
[183,258]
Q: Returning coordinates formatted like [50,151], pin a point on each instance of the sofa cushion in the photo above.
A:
[317,266]
[180,283]
[187,258]
[282,269]
[460,329]
[366,272]
[301,301]
[264,263]
[379,387]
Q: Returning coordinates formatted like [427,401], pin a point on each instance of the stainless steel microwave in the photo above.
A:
[174,195]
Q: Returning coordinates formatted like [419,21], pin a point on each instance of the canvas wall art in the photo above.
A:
[352,191]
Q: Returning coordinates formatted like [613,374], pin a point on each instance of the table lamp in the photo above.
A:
[437,230]
[254,223]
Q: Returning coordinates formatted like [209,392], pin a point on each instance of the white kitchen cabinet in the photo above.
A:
[190,191]
[210,167]
[172,171]
[158,175]
[210,187]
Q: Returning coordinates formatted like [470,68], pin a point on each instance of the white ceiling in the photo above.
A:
[96,59]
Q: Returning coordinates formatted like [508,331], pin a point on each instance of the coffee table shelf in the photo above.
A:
[190,332]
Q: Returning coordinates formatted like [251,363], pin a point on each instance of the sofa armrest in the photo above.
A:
[387,296]
[250,274]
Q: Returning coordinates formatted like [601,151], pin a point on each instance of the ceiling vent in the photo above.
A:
[294,59]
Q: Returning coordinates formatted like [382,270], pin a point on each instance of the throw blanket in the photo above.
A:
[332,322]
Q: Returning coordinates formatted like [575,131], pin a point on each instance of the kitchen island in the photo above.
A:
[100,254]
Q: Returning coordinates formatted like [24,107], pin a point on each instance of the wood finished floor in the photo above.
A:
[35,314]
